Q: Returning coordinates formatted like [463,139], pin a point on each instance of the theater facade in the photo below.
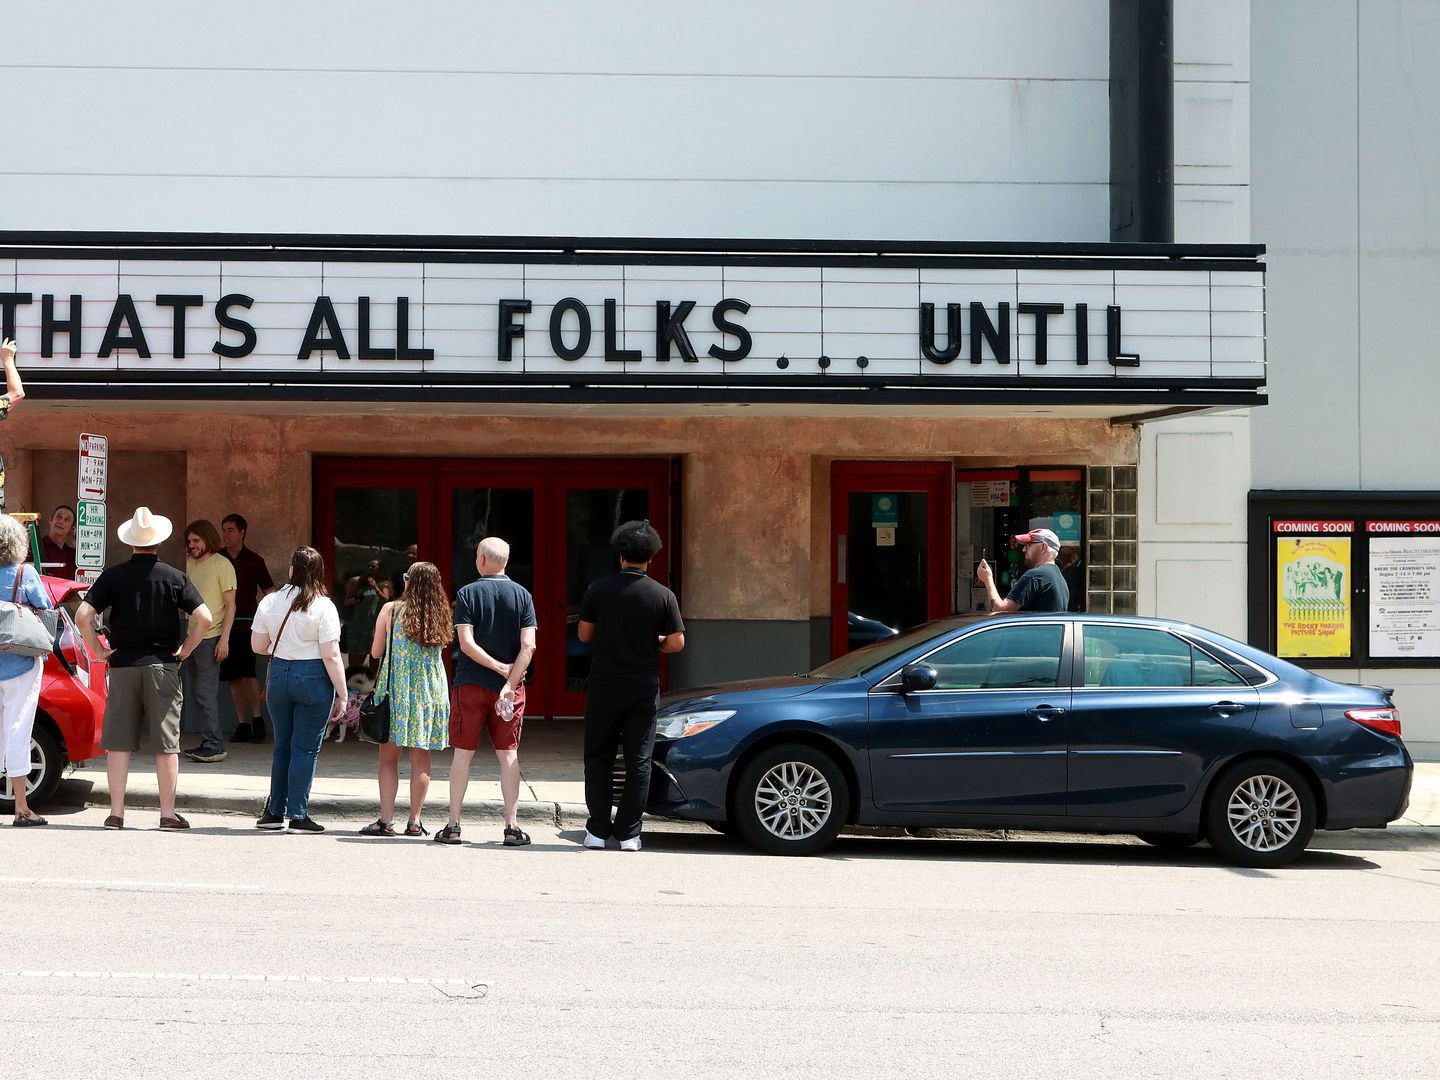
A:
[827,435]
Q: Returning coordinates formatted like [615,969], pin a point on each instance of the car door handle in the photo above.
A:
[1045,713]
[1225,708]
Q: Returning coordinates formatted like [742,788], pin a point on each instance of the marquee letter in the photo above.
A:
[927,333]
[334,339]
[729,326]
[124,311]
[230,322]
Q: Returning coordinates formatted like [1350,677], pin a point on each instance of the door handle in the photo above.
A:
[1045,713]
[1225,708]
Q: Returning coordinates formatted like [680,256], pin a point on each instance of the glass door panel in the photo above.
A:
[374,542]
[888,569]
[591,516]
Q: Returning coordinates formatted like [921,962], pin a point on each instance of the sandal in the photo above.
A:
[379,828]
[416,828]
[28,820]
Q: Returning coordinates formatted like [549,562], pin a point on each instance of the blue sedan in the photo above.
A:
[1080,723]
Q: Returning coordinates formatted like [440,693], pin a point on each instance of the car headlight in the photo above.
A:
[680,724]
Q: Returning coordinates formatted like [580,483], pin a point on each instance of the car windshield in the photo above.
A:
[876,653]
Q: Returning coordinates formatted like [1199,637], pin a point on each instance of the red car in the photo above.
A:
[72,704]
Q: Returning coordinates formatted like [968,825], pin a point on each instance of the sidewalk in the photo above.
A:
[552,788]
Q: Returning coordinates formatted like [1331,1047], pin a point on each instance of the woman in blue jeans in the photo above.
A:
[299,627]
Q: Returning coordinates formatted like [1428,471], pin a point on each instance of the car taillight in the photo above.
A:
[1383,720]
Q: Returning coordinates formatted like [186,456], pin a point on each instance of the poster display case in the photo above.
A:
[1340,579]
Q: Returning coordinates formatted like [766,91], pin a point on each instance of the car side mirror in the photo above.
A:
[918,677]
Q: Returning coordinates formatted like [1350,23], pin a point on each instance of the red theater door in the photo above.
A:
[556,514]
[890,554]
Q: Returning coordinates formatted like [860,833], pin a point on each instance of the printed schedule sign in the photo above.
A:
[1312,602]
[1404,591]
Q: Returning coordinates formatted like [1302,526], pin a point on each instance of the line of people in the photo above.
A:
[628,618]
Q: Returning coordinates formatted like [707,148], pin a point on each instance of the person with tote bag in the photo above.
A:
[305,689]
[411,635]
[20,671]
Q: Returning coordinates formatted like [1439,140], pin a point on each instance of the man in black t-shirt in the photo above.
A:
[147,646]
[632,620]
[1041,587]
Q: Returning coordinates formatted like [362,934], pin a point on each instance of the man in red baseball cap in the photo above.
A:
[1041,587]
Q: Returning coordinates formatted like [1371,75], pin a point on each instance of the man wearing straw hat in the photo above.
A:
[145,598]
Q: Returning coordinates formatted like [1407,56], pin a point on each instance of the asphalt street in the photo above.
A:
[228,951]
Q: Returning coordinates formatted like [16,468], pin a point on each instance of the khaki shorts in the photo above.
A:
[147,695]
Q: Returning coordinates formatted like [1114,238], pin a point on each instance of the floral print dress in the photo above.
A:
[419,695]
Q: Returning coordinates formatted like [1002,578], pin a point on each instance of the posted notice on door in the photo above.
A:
[1405,597]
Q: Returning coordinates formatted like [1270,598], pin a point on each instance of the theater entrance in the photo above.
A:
[890,550]
[374,516]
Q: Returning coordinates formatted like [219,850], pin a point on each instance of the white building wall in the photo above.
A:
[1346,115]
[909,119]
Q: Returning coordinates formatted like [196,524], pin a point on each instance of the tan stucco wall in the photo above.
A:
[756,489]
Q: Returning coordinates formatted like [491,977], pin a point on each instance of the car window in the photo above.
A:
[1137,656]
[1003,658]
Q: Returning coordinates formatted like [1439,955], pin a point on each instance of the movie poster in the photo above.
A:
[1312,614]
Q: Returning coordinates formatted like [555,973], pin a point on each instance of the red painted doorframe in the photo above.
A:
[931,477]
[434,480]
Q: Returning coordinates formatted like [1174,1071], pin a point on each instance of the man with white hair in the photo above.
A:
[145,598]
[495,622]
[1041,587]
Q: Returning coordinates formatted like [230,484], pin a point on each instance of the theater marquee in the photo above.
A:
[451,320]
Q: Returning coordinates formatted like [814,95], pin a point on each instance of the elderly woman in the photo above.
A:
[19,675]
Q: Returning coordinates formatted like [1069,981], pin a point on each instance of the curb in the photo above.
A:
[348,806]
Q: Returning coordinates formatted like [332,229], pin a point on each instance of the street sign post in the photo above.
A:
[90,507]
[94,467]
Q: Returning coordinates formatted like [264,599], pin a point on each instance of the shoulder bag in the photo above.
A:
[375,710]
[24,630]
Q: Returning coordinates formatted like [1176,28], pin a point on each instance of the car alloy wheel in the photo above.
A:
[1264,813]
[790,800]
[793,800]
[46,765]
[1261,813]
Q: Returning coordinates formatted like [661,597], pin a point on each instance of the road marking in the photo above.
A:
[483,985]
[103,883]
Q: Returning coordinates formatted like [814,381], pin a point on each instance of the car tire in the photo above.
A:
[45,748]
[1261,813]
[1168,841]
[790,800]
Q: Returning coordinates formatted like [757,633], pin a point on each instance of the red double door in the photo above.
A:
[556,514]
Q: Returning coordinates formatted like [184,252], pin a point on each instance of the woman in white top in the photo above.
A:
[305,688]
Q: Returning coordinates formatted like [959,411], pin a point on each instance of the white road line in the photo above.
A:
[191,976]
[104,883]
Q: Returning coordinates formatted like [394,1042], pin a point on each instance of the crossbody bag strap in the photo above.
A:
[390,651]
[276,643]
[15,588]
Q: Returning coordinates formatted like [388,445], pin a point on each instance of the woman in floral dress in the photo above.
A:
[411,635]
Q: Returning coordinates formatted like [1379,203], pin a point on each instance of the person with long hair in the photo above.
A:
[20,676]
[411,635]
[299,627]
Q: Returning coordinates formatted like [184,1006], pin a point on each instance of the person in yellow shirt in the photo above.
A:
[213,576]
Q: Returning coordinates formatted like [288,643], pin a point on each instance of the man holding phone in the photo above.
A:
[1041,587]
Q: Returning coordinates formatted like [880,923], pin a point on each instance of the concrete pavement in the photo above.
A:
[552,789]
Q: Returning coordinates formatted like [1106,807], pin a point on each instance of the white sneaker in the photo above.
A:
[633,844]
[593,841]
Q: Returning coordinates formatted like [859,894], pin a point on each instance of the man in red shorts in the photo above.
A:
[495,621]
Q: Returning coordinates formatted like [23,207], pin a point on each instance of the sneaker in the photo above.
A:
[592,841]
[633,844]
[174,824]
[516,837]
[450,834]
[242,733]
[305,825]
[270,821]
[204,755]
[257,730]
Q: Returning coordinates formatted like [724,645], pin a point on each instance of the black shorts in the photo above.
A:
[240,664]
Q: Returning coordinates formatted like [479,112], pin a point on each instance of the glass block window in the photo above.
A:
[1111,557]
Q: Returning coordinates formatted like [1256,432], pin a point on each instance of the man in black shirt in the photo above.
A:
[1041,587]
[631,619]
[145,598]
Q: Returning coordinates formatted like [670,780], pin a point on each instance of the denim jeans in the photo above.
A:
[299,696]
